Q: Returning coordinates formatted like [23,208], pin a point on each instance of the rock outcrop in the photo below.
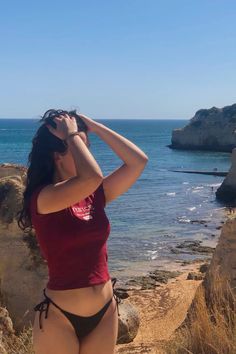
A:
[9,169]
[227,191]
[220,274]
[210,129]
[22,275]
[128,323]
[223,263]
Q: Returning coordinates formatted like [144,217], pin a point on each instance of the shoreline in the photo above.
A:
[163,306]
[196,250]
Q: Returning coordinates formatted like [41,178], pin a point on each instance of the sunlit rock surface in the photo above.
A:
[210,129]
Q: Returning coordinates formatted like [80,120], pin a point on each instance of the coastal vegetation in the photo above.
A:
[210,325]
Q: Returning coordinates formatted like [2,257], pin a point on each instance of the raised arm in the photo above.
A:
[87,178]
[134,160]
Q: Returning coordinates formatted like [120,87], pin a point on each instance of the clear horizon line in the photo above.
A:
[108,118]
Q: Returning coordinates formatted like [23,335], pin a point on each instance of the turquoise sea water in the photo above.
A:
[155,214]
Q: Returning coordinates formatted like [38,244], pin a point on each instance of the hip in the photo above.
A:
[83,301]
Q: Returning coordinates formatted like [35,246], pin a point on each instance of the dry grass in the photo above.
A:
[210,327]
[21,344]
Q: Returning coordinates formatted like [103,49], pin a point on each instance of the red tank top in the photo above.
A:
[74,241]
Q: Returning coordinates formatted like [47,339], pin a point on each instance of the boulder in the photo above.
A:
[128,323]
[192,247]
[204,267]
[227,190]
[210,129]
[194,276]
[152,279]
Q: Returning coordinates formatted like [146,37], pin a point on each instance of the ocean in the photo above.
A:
[161,209]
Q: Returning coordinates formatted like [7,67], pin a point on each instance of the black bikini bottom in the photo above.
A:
[83,325]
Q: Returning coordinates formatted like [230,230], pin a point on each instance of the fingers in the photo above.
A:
[50,128]
[57,120]
[60,118]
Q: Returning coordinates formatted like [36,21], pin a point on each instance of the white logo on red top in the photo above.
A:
[83,212]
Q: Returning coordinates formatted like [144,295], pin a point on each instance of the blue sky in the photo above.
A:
[117,59]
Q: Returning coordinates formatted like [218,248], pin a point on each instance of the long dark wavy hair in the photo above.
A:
[40,165]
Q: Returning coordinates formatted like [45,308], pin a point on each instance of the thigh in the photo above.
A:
[102,340]
[56,336]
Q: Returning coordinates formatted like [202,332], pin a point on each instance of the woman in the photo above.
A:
[64,201]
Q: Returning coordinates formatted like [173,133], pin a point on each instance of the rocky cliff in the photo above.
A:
[210,322]
[210,129]
[227,190]
[223,263]
[221,272]
[219,282]
[22,272]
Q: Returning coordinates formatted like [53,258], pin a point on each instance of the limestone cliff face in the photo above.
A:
[227,191]
[210,129]
[221,272]
[22,276]
[9,169]
[224,258]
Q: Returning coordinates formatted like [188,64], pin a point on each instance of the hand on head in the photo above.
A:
[65,125]
[63,122]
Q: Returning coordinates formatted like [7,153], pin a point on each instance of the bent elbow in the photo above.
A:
[98,177]
[144,159]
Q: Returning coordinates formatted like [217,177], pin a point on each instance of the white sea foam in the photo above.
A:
[213,185]
[197,189]
[191,208]
[184,220]
[171,193]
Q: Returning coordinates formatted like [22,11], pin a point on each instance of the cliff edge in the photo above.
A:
[226,193]
[211,129]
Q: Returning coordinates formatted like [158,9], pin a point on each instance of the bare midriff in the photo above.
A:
[82,301]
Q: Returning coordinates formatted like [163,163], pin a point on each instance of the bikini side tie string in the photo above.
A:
[41,308]
[115,295]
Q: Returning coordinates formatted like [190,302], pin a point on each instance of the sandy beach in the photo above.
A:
[161,311]
[163,308]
